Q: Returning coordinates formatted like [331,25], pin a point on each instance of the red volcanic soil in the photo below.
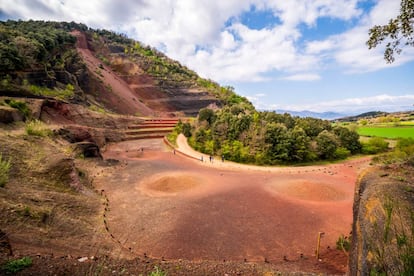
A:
[120,95]
[165,205]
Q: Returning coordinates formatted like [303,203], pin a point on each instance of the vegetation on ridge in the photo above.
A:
[239,133]
[38,59]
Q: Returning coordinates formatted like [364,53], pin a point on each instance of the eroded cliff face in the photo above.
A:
[383,227]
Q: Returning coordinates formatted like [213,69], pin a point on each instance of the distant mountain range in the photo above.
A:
[329,115]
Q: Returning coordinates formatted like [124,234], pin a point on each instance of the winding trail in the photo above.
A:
[186,149]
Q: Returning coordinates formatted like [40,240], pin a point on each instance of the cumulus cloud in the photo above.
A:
[349,50]
[384,102]
[209,37]
[294,12]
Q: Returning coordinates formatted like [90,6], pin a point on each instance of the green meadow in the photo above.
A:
[387,132]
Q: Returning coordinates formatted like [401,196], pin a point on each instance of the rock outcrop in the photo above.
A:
[10,115]
[383,227]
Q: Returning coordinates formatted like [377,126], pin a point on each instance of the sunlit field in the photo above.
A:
[387,132]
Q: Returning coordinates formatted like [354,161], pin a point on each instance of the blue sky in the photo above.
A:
[280,54]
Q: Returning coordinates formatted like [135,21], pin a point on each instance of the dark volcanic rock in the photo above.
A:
[10,115]
[87,149]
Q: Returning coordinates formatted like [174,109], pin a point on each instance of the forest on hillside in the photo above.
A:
[36,57]
[239,133]
[235,130]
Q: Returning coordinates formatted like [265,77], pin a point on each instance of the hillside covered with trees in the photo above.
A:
[239,133]
[39,59]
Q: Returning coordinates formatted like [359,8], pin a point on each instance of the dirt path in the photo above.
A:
[167,206]
[184,147]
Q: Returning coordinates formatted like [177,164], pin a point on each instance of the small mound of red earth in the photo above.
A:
[170,184]
[309,190]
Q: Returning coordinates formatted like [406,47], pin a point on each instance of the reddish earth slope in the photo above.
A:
[127,89]
[122,98]
[158,95]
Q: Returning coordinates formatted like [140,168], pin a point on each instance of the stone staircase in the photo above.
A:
[150,129]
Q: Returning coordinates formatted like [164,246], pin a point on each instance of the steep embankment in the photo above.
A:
[117,96]
[160,83]
[98,69]
[383,227]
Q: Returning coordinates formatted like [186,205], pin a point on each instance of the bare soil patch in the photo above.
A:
[309,190]
[170,207]
[170,184]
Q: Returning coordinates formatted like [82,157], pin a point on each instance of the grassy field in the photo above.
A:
[387,132]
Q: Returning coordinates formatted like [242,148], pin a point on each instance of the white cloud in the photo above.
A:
[208,36]
[349,49]
[383,102]
[294,12]
[252,54]
[303,77]
[316,47]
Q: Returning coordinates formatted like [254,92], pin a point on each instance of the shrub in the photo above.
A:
[403,153]
[343,243]
[342,153]
[4,171]
[15,266]
[172,138]
[375,145]
[406,145]
[157,272]
[63,94]
[37,128]
[21,106]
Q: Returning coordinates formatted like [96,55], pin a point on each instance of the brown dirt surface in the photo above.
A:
[157,207]
[172,184]
[170,207]
[308,190]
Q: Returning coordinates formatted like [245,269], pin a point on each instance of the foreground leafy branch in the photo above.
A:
[397,34]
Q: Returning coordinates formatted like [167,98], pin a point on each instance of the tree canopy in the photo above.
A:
[398,33]
[240,133]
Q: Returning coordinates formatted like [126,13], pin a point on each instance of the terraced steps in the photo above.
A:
[150,129]
[153,125]
[144,136]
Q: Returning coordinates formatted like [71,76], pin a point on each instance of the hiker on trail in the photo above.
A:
[222,158]
[211,158]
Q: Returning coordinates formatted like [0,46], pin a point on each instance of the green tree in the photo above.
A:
[9,58]
[327,143]
[299,150]
[278,142]
[239,151]
[349,139]
[313,126]
[398,33]
[186,129]
[206,114]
